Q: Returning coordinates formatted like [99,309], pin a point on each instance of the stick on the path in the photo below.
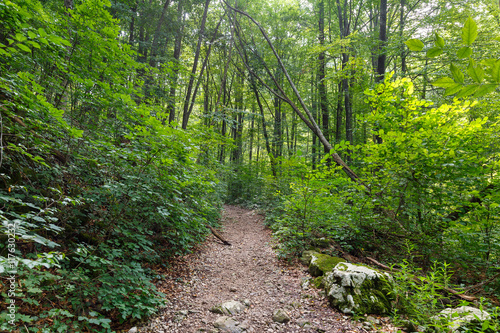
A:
[216,234]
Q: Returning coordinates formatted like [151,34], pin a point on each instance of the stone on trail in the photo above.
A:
[321,264]
[462,316]
[281,316]
[228,324]
[358,289]
[228,308]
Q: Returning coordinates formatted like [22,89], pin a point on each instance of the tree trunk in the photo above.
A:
[323,100]
[238,126]
[156,36]
[382,52]
[338,122]
[252,134]
[177,56]
[132,24]
[309,120]
[200,76]
[402,23]
[185,114]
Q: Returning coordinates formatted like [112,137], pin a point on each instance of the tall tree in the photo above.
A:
[323,99]
[156,36]
[382,53]
[177,55]
[186,113]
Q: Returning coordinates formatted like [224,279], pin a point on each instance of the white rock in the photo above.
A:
[461,316]
[228,324]
[229,308]
[355,288]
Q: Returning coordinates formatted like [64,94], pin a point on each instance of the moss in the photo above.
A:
[371,294]
[322,263]
[306,257]
[318,282]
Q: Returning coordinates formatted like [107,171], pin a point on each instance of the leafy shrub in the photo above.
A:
[98,189]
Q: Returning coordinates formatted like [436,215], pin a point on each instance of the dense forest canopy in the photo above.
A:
[126,124]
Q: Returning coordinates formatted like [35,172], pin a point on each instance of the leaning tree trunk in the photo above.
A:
[308,118]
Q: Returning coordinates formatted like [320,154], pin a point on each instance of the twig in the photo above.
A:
[494,277]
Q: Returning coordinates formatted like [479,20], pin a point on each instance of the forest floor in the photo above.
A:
[249,272]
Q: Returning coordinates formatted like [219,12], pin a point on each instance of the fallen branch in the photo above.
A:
[216,234]
[494,277]
[416,279]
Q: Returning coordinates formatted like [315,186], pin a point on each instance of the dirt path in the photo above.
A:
[249,272]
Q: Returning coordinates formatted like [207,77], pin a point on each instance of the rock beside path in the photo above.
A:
[358,289]
[462,316]
[228,308]
[320,264]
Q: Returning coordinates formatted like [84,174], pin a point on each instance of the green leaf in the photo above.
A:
[31,34]
[467,90]
[494,70]
[414,44]
[65,42]
[434,52]
[444,82]
[469,31]
[42,32]
[34,44]
[485,89]
[458,76]
[453,89]
[23,47]
[20,37]
[475,72]
[439,41]
[464,52]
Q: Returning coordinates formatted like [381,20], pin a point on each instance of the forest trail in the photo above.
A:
[248,272]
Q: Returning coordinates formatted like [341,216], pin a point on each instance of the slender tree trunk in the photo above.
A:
[252,134]
[264,128]
[382,52]
[344,32]
[323,100]
[308,118]
[340,111]
[206,98]
[185,114]
[132,25]
[402,23]
[347,107]
[238,125]
[177,56]
[277,141]
[205,63]
[258,141]
[156,36]
[314,153]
